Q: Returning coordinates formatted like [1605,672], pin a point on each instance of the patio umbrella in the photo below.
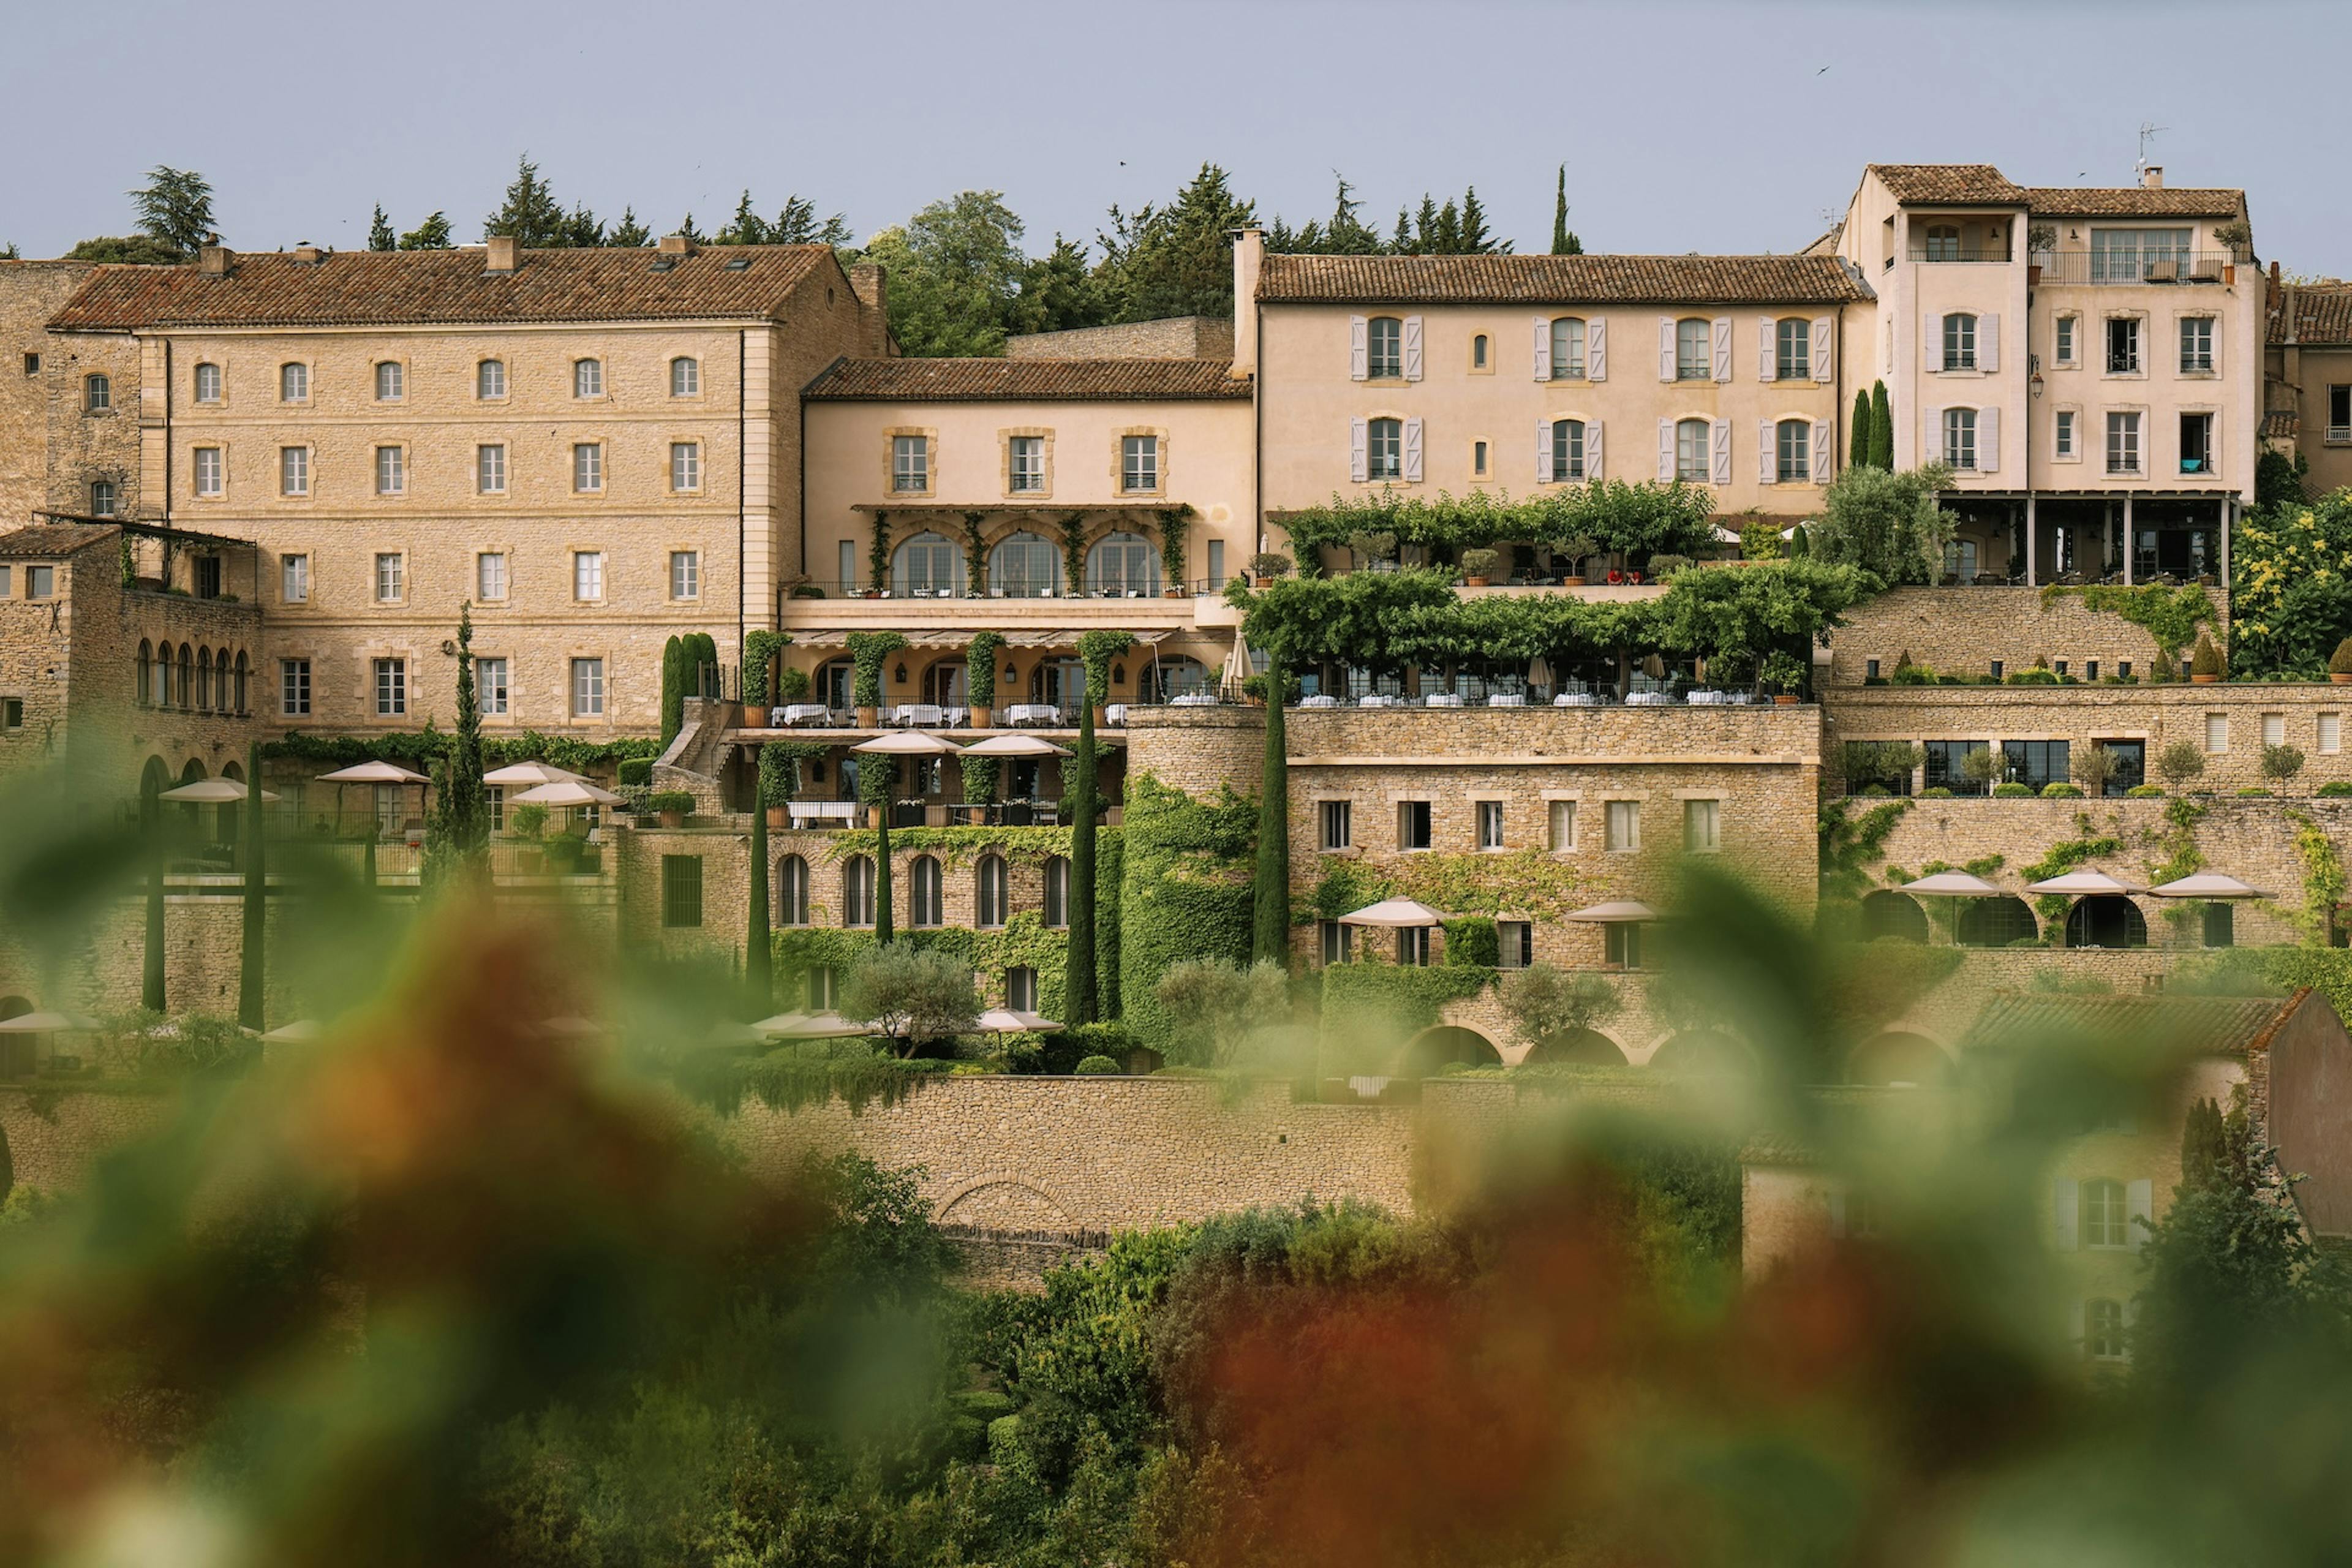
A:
[373,774]
[1615,910]
[2086,884]
[210,792]
[1237,667]
[47,1022]
[1011,1021]
[300,1031]
[1014,746]
[1952,885]
[1540,671]
[1400,913]
[811,1027]
[906,743]
[530,774]
[2208,885]
[566,792]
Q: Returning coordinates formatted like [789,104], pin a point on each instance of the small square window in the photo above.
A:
[390,382]
[40,581]
[1490,823]
[1563,814]
[1413,824]
[391,577]
[11,712]
[1515,947]
[1624,830]
[587,688]
[1702,826]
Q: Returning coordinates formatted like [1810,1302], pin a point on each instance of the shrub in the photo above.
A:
[2145,792]
[2207,660]
[526,821]
[1254,688]
[2335,789]
[2096,768]
[2062,792]
[637,770]
[1097,1065]
[2163,669]
[1269,564]
[794,685]
[1875,792]
[2280,763]
[2254,794]
[2340,661]
[807,591]
[1215,1007]
[1544,1002]
[675,800]
[911,994]
[2179,761]
[2013,791]
[1936,792]
[1479,563]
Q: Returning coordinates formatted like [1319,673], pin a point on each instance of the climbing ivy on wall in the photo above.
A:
[1024,940]
[2170,615]
[959,846]
[2063,857]
[2177,842]
[1374,999]
[1521,882]
[429,745]
[1184,893]
[2323,881]
[1849,844]
[878,553]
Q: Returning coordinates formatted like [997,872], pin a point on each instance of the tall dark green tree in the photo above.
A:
[380,234]
[1881,429]
[758,951]
[629,234]
[176,208]
[1078,982]
[530,214]
[1858,446]
[251,971]
[150,819]
[1563,239]
[1472,238]
[673,689]
[432,234]
[1175,259]
[878,779]
[1060,290]
[1270,901]
[461,810]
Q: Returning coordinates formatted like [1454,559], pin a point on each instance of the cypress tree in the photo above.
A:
[759,952]
[1270,936]
[1563,239]
[1881,429]
[1079,986]
[151,974]
[249,976]
[673,691]
[7,1168]
[884,778]
[461,813]
[1858,454]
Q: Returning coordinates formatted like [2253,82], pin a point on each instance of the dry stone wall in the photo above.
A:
[1960,631]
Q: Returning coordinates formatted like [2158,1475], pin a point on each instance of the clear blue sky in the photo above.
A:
[1698,127]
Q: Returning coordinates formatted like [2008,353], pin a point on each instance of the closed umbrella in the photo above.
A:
[566,792]
[1014,746]
[2208,885]
[1237,668]
[1540,672]
[2083,884]
[210,792]
[528,773]
[1399,912]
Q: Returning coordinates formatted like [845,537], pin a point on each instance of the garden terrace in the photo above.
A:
[2090,633]
[2181,536]
[1607,526]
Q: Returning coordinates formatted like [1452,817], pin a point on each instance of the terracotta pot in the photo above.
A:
[1784,699]
[1261,582]
[2335,679]
[2204,679]
[2033,273]
[983,716]
[780,816]
[1173,594]
[1571,582]
[868,717]
[1102,718]
[2229,274]
[1474,582]
[673,819]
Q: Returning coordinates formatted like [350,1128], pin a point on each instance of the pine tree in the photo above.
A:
[1474,239]
[1858,447]
[250,970]
[175,209]
[688,232]
[1270,902]
[1881,429]
[629,234]
[1078,984]
[380,234]
[1176,260]
[1563,239]
[530,213]
[432,234]
[748,227]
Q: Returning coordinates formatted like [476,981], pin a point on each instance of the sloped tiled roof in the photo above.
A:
[2233,1025]
[2282,423]
[1028,380]
[2134,201]
[52,538]
[2322,313]
[1558,280]
[1949,185]
[445,287]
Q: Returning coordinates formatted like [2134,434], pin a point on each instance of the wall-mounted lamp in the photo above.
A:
[1118,675]
[2036,384]
[1009,671]
[900,675]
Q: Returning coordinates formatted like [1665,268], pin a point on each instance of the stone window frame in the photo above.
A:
[701,465]
[2146,470]
[2212,411]
[1551,425]
[1373,417]
[214,498]
[603,392]
[195,370]
[376,449]
[309,555]
[1481,448]
[508,719]
[309,490]
[1316,803]
[2173,358]
[1719,795]
[1470,364]
[572,553]
[1610,797]
[374,560]
[369,655]
[2076,455]
[375,372]
[1004,439]
[603,468]
[506,379]
[310,383]
[701,579]
[1481,798]
[930,435]
[2074,361]
[1119,461]
[474,570]
[701,392]
[1576,835]
[1397,798]
[2146,318]
[571,656]
[506,474]
[1812,459]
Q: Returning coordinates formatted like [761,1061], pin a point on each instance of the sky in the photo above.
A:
[1718,127]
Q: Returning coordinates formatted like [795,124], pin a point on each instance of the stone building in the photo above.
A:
[2307,377]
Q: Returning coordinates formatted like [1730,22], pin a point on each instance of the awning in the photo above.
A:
[1402,912]
[928,638]
[2208,885]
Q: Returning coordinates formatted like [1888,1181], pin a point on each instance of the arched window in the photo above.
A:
[929,566]
[943,683]
[792,891]
[1020,989]
[1057,893]
[1567,449]
[1693,460]
[391,381]
[220,682]
[1997,921]
[1024,566]
[858,891]
[991,899]
[243,673]
[1124,565]
[2104,1219]
[1890,916]
[929,899]
[293,382]
[685,377]
[588,378]
[1960,438]
[1384,449]
[1568,349]
[203,680]
[490,379]
[1057,683]
[1944,242]
[163,675]
[140,686]
[2106,921]
[1694,350]
[1793,450]
[1181,677]
[187,677]
[1385,347]
[1478,350]
[834,684]
[1960,341]
[98,391]
[102,498]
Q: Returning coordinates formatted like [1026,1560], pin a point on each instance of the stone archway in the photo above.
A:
[1003,1201]
[1582,1048]
[1703,1051]
[1442,1045]
[1900,1058]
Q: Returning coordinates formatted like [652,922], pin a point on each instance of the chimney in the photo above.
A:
[677,245]
[2152,177]
[503,257]
[214,260]
[1249,258]
[870,283]
[305,252]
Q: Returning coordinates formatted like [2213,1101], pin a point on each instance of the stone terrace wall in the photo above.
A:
[1960,630]
[53,1139]
[1197,749]
[1175,337]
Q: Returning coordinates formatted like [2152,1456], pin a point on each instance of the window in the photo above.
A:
[587,575]
[391,577]
[490,470]
[1959,342]
[2195,345]
[490,686]
[1026,463]
[2063,437]
[685,377]
[1620,945]
[1413,824]
[1960,438]
[208,387]
[2221,925]
[391,381]
[1338,943]
[294,579]
[588,467]
[685,466]
[40,581]
[1691,462]
[2274,729]
[293,470]
[587,688]
[209,470]
[2035,763]
[1490,823]
[2061,342]
[2123,346]
[294,688]
[1793,348]
[824,988]
[2123,443]
[1338,817]
[2331,734]
[1138,463]
[2339,413]
[1025,566]
[490,379]
[1384,348]
[858,891]
[391,471]
[1216,563]
[2102,1331]
[1625,826]
[2197,443]
[1058,892]
[103,497]
[682,889]
[1478,458]
[928,565]
[1021,988]
[792,891]
[2216,733]
[391,688]
[1694,350]
[685,575]
[1794,463]
[1413,945]
[491,575]
[990,893]
[1947,765]
[1568,349]
[1516,945]
[1384,449]
[1124,565]
[1567,449]
[1944,242]
[1562,815]
[2138,254]
[588,378]
[911,463]
[1702,826]
[930,907]
[1478,350]
[32,365]
[2104,1220]
[12,713]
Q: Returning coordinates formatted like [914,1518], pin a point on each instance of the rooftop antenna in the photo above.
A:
[2146,129]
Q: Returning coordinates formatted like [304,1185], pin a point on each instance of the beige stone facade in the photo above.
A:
[1964,630]
[69,407]
[1177,337]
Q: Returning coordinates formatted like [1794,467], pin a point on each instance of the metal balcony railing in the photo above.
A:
[2209,267]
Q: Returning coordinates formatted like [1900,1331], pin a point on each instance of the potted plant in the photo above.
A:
[2240,237]
[2205,666]
[527,823]
[793,685]
[2339,664]
[1578,549]
[1785,674]
[867,653]
[1476,564]
[672,806]
[779,775]
[2041,239]
[1266,566]
[980,677]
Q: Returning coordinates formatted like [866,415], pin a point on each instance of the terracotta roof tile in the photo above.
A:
[1558,280]
[2282,423]
[1028,380]
[1948,185]
[444,287]
[2134,201]
[52,538]
[2322,313]
[2233,1025]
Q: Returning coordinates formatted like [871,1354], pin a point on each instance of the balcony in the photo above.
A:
[2184,267]
[1949,252]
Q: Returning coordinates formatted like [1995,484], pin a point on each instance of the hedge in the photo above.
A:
[1185,891]
[416,748]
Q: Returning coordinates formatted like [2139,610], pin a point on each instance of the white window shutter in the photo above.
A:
[1360,455]
[1837,1216]
[1591,451]
[1412,347]
[1988,342]
[1988,440]
[1665,451]
[1665,348]
[1360,331]
[1931,437]
[1543,451]
[1825,451]
[1768,358]
[1767,453]
[2139,1203]
[1720,440]
[2218,335]
[1412,451]
[1543,349]
[1931,342]
[1596,350]
[1723,348]
[2065,1215]
[1825,348]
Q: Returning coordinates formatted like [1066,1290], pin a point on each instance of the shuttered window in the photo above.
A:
[1694,350]
[1384,451]
[1793,349]
[1959,342]
[1568,349]
[1960,438]
[1566,449]
[1691,461]
[1385,347]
